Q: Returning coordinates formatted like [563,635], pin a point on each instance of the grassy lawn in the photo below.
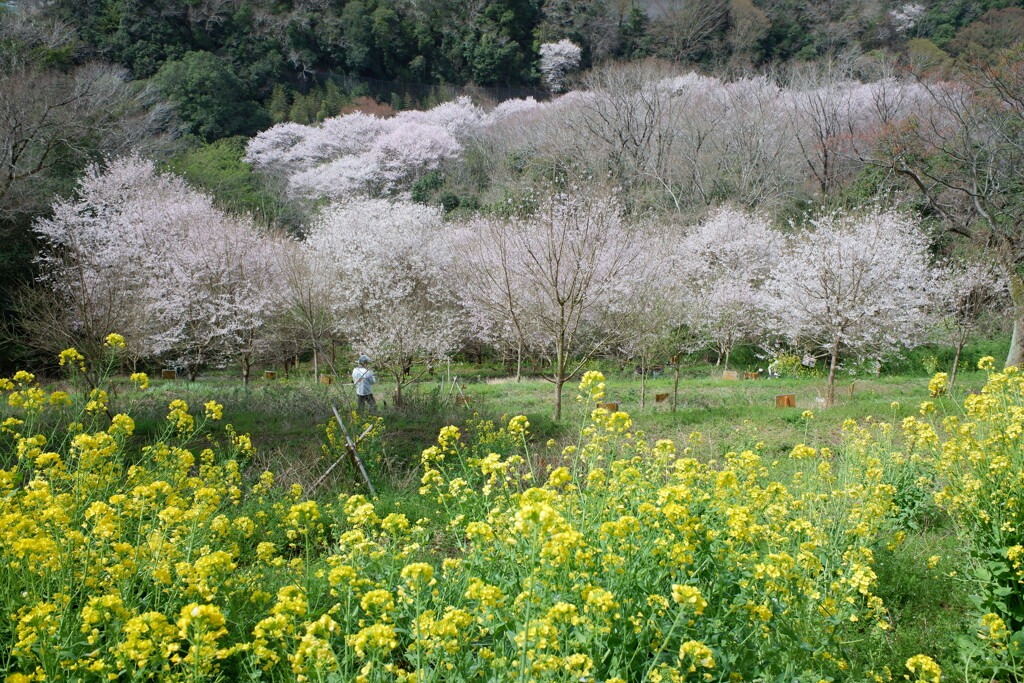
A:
[286,416]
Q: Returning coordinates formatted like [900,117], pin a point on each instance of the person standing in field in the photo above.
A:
[364,380]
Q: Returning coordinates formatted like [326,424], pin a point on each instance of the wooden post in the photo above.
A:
[168,374]
[353,453]
[785,401]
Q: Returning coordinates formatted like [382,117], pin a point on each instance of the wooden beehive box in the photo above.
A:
[785,401]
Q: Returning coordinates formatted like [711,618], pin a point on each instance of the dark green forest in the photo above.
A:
[232,67]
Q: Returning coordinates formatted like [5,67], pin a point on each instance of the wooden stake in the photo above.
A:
[353,454]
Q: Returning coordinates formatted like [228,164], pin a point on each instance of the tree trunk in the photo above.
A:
[727,352]
[558,397]
[675,387]
[519,361]
[956,364]
[559,374]
[398,390]
[643,383]
[246,371]
[316,366]
[1016,355]
[830,397]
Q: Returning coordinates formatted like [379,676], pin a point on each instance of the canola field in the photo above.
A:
[624,558]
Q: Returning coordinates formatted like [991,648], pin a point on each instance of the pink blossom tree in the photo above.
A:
[853,284]
[391,279]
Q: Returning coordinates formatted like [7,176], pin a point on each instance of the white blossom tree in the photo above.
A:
[392,283]
[662,304]
[360,154]
[729,257]
[308,296]
[143,254]
[853,284]
[562,276]
[557,60]
[97,255]
[965,291]
[223,293]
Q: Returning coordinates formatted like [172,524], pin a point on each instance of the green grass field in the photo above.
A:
[285,416]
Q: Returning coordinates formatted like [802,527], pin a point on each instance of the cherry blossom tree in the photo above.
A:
[220,295]
[143,254]
[360,154]
[730,256]
[557,60]
[391,277]
[965,291]
[838,119]
[853,284]
[307,295]
[663,303]
[89,258]
[562,276]
[688,140]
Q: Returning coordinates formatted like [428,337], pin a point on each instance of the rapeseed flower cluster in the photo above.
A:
[627,560]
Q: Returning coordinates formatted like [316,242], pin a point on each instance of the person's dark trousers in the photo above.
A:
[366,401]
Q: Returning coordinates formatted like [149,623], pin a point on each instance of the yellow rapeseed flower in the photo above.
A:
[70,357]
[993,628]
[925,669]
[938,384]
[518,425]
[418,574]
[689,596]
[214,410]
[114,341]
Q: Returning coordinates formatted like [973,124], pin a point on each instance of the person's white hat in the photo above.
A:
[363,359]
